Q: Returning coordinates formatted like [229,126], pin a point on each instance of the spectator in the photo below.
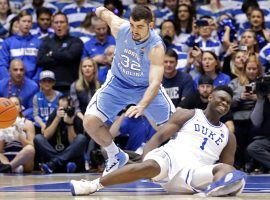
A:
[264,57]
[95,47]
[34,6]
[210,66]
[43,29]
[17,84]
[83,89]
[5,17]
[16,144]
[244,100]
[103,70]
[166,12]
[61,145]
[45,101]
[177,84]
[61,53]
[200,100]
[77,11]
[115,6]
[258,149]
[201,36]
[22,46]
[14,26]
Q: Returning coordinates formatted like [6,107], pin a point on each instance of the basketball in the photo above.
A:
[8,113]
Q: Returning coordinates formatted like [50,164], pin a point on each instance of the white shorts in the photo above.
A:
[189,179]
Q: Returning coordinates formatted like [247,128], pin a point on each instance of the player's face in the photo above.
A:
[220,101]
[139,29]
[205,90]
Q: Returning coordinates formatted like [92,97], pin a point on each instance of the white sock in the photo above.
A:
[99,185]
[112,149]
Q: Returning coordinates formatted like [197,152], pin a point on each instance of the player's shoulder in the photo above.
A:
[183,115]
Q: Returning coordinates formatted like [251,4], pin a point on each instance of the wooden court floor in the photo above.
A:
[56,186]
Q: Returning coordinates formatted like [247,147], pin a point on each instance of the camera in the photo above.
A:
[242,48]
[263,85]
[70,111]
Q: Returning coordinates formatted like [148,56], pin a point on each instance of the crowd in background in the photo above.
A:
[54,55]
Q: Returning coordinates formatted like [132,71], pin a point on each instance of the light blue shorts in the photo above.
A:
[114,95]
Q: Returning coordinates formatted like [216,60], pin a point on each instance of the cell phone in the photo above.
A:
[202,22]
[248,89]
[242,48]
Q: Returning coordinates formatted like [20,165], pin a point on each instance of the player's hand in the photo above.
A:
[134,111]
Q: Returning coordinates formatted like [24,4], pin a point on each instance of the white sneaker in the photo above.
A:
[19,169]
[83,187]
[116,162]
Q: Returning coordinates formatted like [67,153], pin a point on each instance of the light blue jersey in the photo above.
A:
[131,63]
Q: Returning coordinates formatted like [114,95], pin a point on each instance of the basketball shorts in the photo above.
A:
[115,95]
[188,179]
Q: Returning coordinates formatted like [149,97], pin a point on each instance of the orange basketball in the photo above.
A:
[8,112]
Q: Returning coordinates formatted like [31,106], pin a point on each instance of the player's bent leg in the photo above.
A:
[227,181]
[148,169]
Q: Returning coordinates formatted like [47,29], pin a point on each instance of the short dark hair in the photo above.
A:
[60,13]
[142,12]
[224,88]
[43,10]
[171,53]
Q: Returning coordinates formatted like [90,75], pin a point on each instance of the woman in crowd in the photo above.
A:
[244,100]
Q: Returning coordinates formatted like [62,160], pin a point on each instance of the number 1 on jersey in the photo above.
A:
[204,143]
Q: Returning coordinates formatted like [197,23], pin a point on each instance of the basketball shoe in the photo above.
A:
[84,187]
[115,162]
[230,184]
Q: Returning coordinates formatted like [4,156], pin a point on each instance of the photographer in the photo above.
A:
[259,149]
[61,144]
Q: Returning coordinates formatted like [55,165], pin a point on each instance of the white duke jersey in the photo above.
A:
[198,143]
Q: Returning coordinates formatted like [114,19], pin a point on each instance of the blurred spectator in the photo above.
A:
[211,67]
[183,19]
[21,45]
[201,36]
[43,29]
[264,57]
[83,89]
[5,17]
[95,47]
[234,61]
[14,26]
[77,11]
[244,100]
[34,6]
[17,84]
[258,149]
[103,70]
[61,54]
[177,84]
[85,30]
[16,144]
[45,101]
[115,6]
[61,146]
[166,12]
[199,99]
[129,8]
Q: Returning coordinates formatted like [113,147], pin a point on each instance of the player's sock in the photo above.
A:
[112,149]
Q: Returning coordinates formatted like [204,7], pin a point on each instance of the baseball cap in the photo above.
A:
[47,74]
[204,79]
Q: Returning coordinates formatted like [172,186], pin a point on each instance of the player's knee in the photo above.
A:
[91,123]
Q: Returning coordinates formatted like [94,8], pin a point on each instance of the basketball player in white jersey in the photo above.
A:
[198,158]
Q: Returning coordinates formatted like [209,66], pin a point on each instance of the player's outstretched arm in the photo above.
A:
[177,120]
[111,19]
[228,153]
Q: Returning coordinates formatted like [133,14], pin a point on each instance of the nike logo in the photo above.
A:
[109,168]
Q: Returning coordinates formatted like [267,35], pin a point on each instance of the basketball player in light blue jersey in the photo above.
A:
[197,159]
[135,78]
